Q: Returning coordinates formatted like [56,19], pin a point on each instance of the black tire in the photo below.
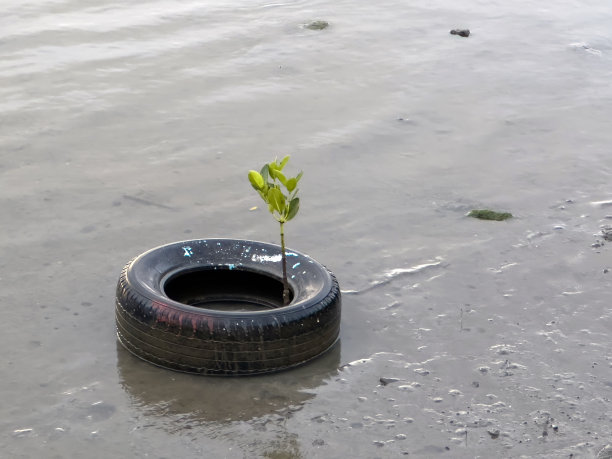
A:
[214,307]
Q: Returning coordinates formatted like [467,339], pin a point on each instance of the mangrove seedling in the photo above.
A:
[269,183]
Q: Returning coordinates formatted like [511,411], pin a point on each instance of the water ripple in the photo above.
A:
[393,274]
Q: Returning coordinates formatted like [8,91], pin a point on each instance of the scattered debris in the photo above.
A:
[486,214]
[606,233]
[461,32]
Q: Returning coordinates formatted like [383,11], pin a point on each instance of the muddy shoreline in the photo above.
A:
[125,127]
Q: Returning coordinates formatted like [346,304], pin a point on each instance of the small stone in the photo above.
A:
[461,32]
[493,433]
[385,381]
[318,442]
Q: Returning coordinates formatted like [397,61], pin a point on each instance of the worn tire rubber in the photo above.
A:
[163,329]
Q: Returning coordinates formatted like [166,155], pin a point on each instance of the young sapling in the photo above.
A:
[269,183]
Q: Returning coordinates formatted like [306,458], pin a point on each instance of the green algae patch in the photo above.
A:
[317,25]
[486,214]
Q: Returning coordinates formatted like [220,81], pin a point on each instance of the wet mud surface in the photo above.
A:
[127,127]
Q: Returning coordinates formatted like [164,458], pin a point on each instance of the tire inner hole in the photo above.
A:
[225,290]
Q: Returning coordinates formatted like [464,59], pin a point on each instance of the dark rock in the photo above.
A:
[461,32]
[385,381]
[318,25]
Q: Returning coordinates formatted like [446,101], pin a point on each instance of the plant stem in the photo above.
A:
[284,261]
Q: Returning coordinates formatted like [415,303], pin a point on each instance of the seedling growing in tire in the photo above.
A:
[283,207]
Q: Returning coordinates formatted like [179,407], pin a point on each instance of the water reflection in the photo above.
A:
[161,392]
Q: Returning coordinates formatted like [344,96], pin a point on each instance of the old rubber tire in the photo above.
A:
[214,307]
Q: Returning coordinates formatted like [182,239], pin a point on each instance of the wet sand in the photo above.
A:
[124,128]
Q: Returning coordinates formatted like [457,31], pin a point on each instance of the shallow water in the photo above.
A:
[123,127]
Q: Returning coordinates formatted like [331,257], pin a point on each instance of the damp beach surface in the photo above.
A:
[128,126]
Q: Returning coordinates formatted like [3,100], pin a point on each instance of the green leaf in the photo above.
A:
[265,174]
[299,176]
[281,177]
[294,206]
[283,163]
[276,174]
[277,199]
[256,180]
[291,184]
